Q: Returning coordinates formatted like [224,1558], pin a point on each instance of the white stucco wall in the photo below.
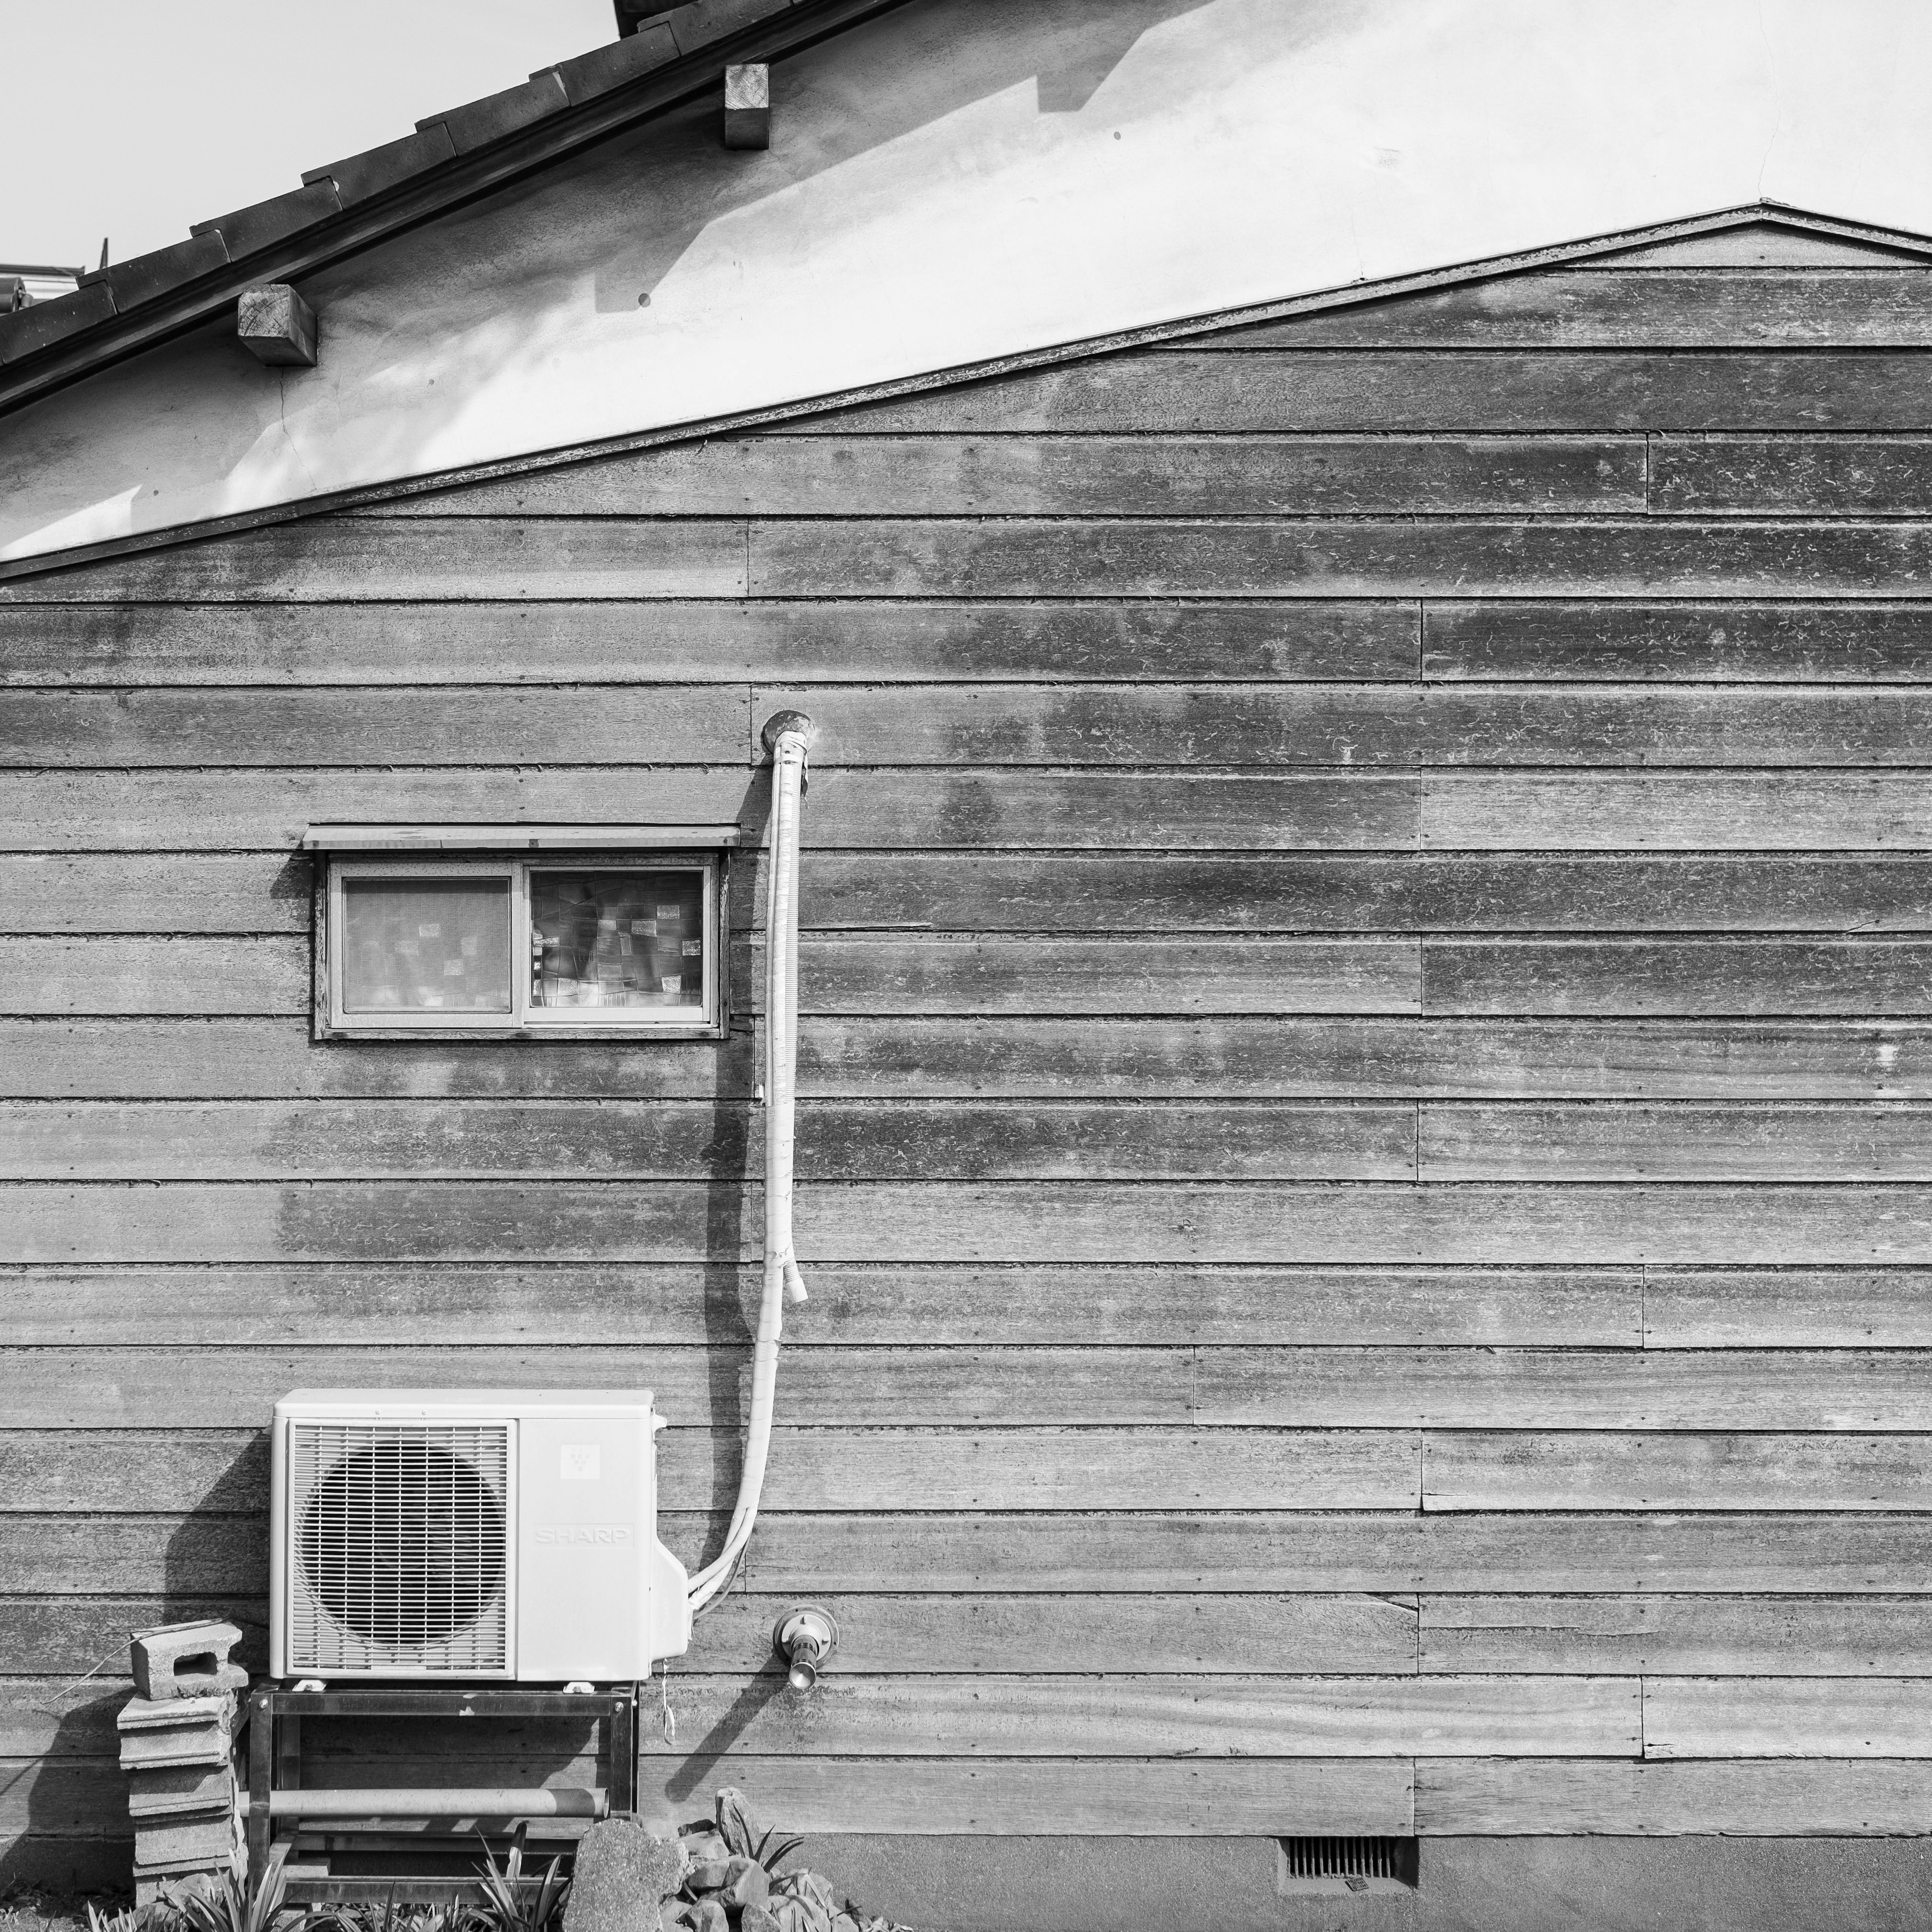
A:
[969,178]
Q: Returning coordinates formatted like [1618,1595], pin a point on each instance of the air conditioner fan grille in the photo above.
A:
[401,1547]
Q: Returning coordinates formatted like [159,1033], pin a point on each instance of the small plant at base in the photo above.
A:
[231,1904]
[512,1903]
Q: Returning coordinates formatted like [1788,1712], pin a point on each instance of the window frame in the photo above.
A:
[524,1021]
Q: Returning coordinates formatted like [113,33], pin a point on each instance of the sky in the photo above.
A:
[148,116]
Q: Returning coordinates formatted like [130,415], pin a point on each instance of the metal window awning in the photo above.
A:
[532,837]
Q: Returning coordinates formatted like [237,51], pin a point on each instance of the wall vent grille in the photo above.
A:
[1345,1864]
[400,1553]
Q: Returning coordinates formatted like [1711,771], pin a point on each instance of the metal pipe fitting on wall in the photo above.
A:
[805,1638]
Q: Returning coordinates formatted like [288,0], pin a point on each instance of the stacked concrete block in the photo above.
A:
[178,1749]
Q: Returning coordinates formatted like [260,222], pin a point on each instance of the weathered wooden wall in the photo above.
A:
[1367,1126]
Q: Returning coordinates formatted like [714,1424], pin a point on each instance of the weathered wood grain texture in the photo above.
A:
[355,560]
[694,641]
[1737,1060]
[44,1718]
[1850,976]
[1179,392]
[1230,1552]
[1585,1469]
[1125,1716]
[1620,1140]
[1605,307]
[1720,1308]
[514,559]
[61,1637]
[191,1057]
[1703,811]
[1117,1797]
[1364,557]
[1476,1797]
[718,1140]
[1289,1386]
[1787,1717]
[76,1802]
[1697,638]
[825,1467]
[129,975]
[819,1467]
[560,1303]
[121,974]
[859,1057]
[1441,725]
[1282,893]
[1265,727]
[673,724]
[234,807]
[1067,476]
[1877,475]
[1585,808]
[64,1798]
[1181,1633]
[1505,1224]
[1665,1636]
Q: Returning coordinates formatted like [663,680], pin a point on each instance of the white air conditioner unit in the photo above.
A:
[484,1533]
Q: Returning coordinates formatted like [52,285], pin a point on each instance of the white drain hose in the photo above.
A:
[788,734]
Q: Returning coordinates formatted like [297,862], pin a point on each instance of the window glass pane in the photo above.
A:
[426,945]
[617,939]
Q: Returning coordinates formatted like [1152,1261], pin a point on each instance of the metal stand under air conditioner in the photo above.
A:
[366,1844]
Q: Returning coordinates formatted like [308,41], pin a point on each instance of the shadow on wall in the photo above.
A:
[902,72]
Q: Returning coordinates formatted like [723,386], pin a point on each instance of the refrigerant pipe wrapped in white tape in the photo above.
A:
[788,736]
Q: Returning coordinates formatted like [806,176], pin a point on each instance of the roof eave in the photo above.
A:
[431,180]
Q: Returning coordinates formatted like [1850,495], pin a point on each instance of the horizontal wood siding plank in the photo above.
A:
[1096,892]
[1065,476]
[1191,1716]
[355,560]
[77,1803]
[1479,1224]
[161,1059]
[1816,476]
[1746,811]
[1678,976]
[232,807]
[1362,1058]
[1266,728]
[718,1141]
[692,641]
[1472,1797]
[1665,1636]
[1183,1633]
[1381,726]
[674,725]
[563,1303]
[1619,1141]
[122,973]
[1358,557]
[1450,1059]
[1586,808]
[1720,1308]
[1188,391]
[815,1467]
[1602,308]
[106,974]
[1105,1797]
[1846,1390]
[1746,1554]
[1691,638]
[824,1467]
[1581,1469]
[1788,1717]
